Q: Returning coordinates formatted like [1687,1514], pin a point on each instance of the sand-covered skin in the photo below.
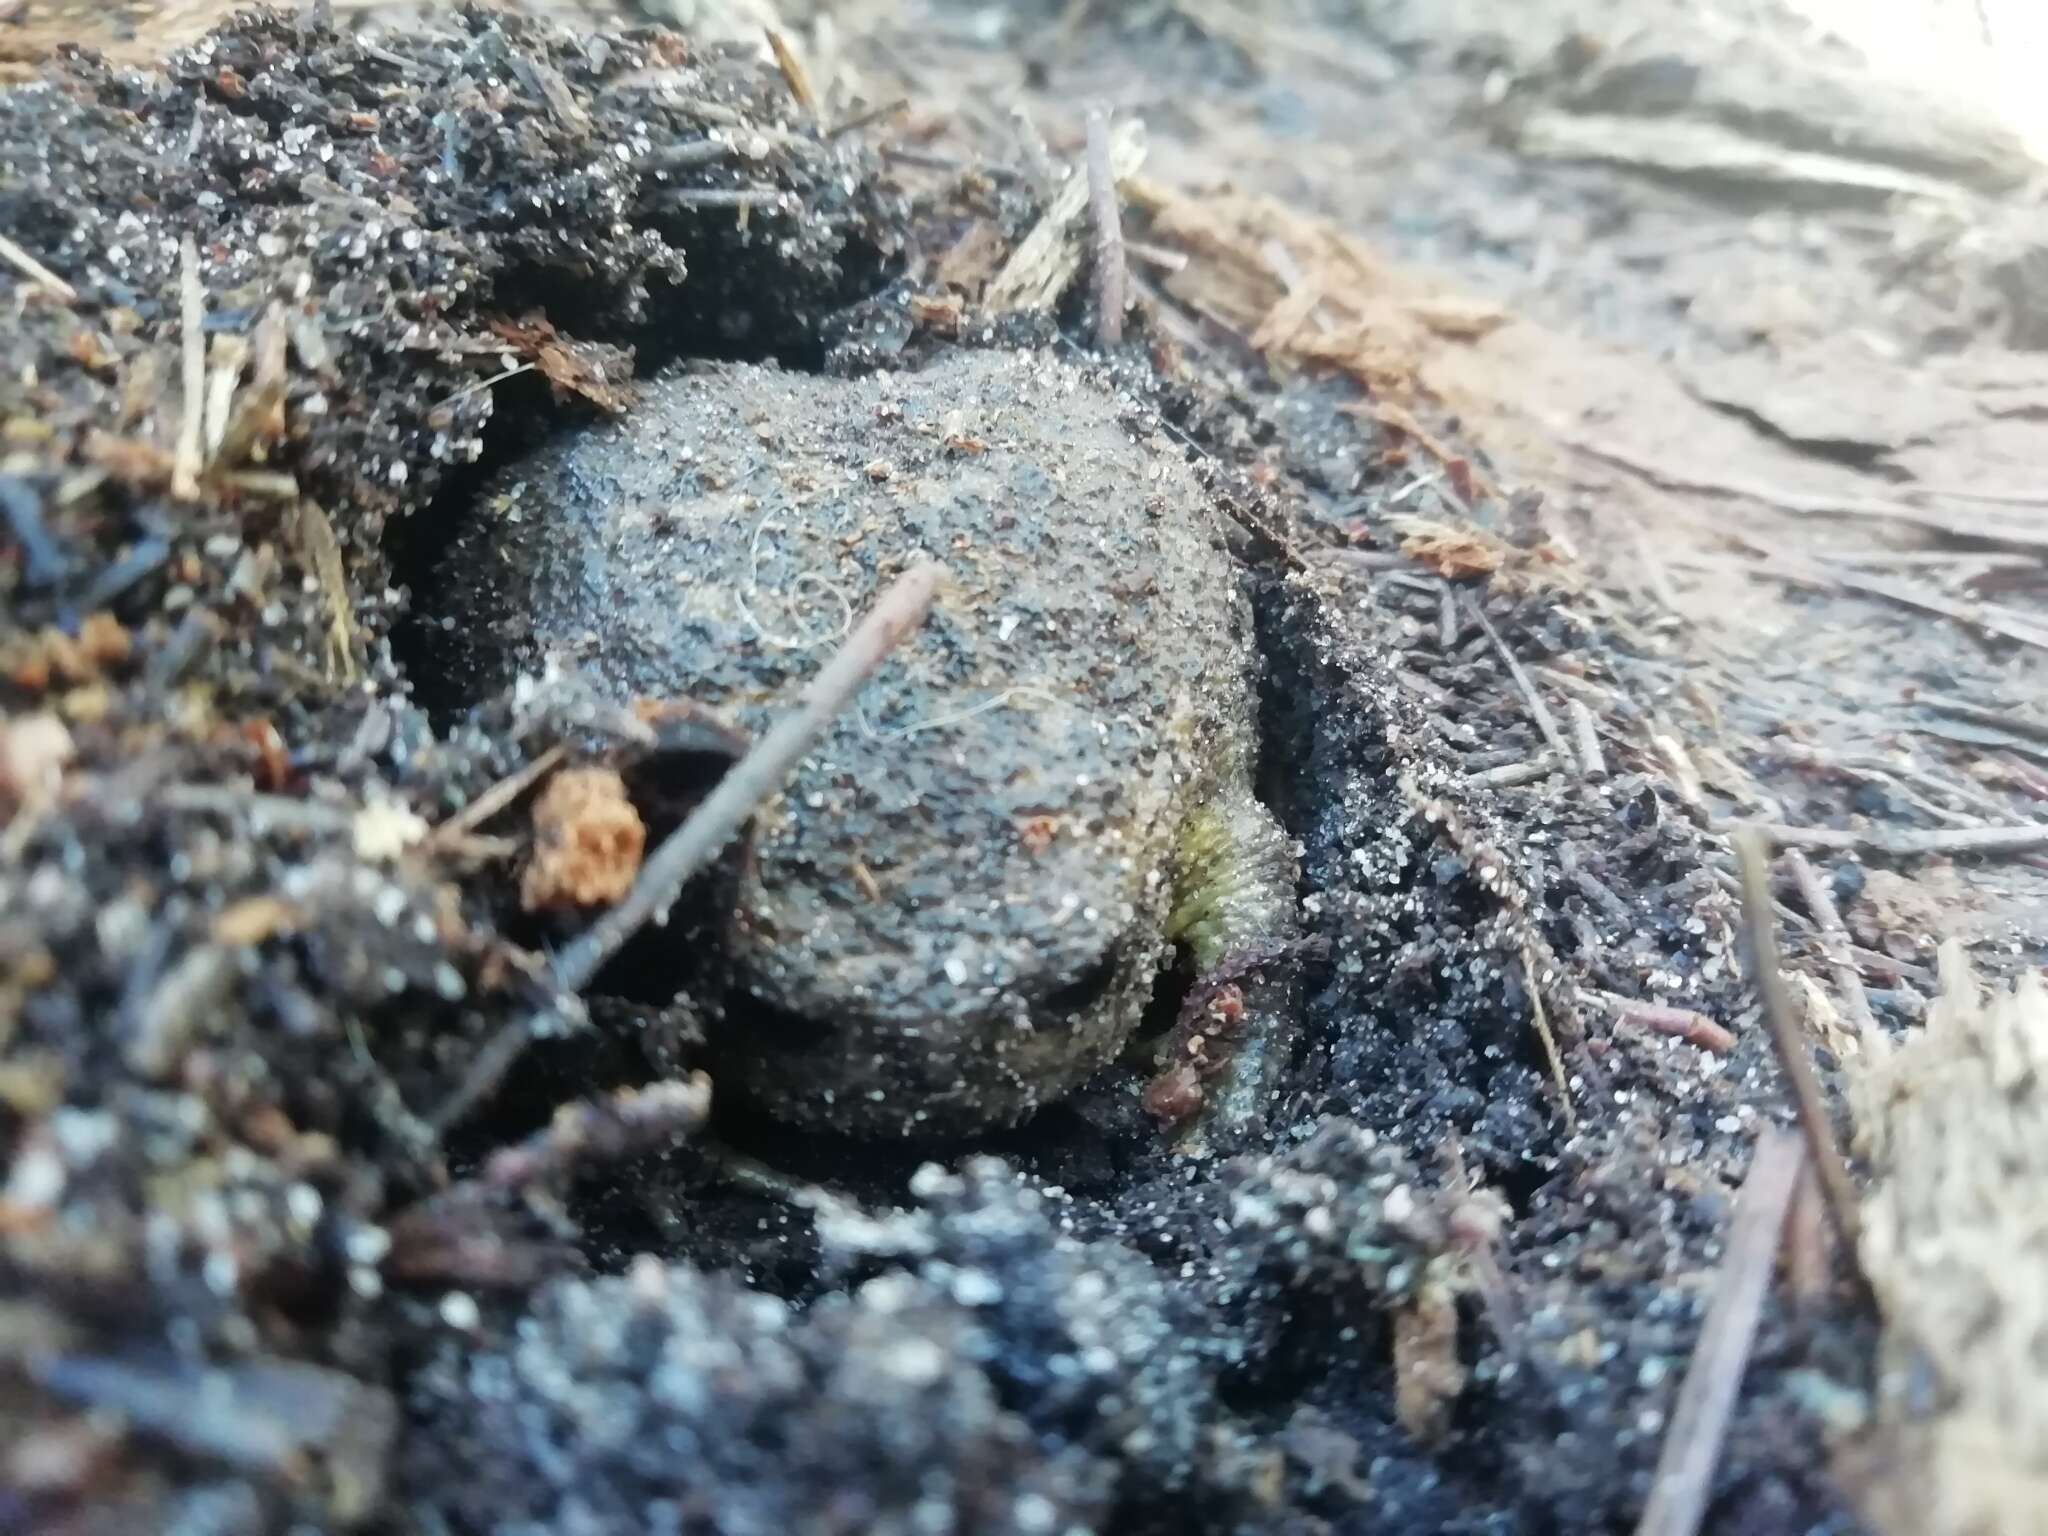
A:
[955,910]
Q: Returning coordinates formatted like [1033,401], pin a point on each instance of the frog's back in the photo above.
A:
[976,834]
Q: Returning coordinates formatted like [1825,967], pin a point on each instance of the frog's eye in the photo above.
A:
[1080,995]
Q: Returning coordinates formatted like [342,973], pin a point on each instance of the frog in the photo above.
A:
[960,906]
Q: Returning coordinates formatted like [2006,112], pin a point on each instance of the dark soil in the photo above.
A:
[259,1030]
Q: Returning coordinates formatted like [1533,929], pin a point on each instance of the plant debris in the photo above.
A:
[342,1191]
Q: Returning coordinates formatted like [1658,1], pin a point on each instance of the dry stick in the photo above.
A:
[793,72]
[1541,711]
[1706,1399]
[1683,1023]
[497,797]
[1587,732]
[1834,941]
[710,827]
[756,776]
[872,115]
[1512,775]
[629,1122]
[1987,498]
[35,271]
[1806,1243]
[187,462]
[1549,1042]
[719,197]
[1753,854]
[1110,286]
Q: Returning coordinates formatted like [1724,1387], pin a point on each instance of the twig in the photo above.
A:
[486,1069]
[1834,941]
[1549,1042]
[1997,719]
[717,197]
[756,776]
[793,72]
[1156,256]
[1537,708]
[1684,1023]
[189,459]
[1109,235]
[1706,1399]
[1510,775]
[497,797]
[1046,260]
[1753,854]
[1587,731]
[35,271]
[1423,688]
[481,384]
[932,160]
[872,115]
[1910,844]
[1799,504]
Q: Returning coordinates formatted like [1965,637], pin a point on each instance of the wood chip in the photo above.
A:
[1698,1427]
[1044,265]
[35,271]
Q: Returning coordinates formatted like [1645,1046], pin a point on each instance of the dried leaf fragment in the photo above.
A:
[588,843]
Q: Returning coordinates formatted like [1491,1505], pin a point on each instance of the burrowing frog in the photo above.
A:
[959,906]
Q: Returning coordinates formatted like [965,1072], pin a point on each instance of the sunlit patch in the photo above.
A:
[1981,51]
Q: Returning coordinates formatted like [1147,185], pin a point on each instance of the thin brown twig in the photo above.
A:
[793,72]
[1834,941]
[1548,1041]
[724,811]
[1110,281]
[497,797]
[35,271]
[1545,722]
[1753,854]
[1686,1024]
[1586,730]
[1698,1426]
[1806,1243]
[1988,617]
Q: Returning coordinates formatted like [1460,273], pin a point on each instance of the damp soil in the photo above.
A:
[266,986]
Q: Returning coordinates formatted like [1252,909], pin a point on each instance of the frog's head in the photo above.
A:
[943,930]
